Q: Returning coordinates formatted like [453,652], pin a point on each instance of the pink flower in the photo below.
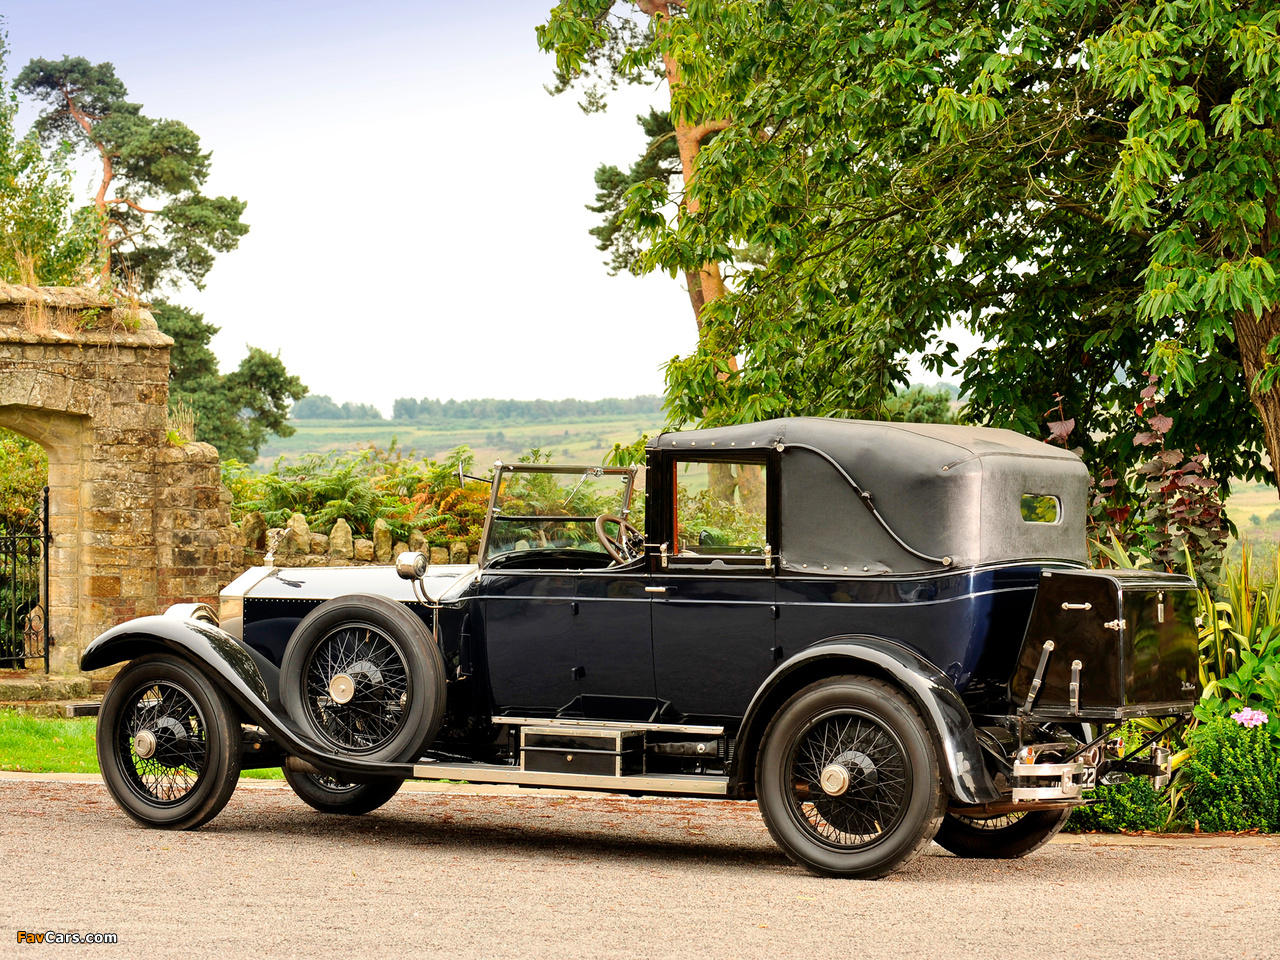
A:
[1248,717]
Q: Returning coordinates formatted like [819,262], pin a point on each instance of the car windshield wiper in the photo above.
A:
[593,472]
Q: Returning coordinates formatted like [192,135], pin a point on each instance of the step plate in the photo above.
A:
[495,773]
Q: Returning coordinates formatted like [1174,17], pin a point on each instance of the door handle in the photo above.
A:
[655,589]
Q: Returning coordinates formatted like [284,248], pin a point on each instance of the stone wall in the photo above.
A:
[136,523]
[297,546]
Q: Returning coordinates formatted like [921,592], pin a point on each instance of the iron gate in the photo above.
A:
[24,587]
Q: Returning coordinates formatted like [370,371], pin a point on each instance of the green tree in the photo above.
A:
[600,43]
[236,411]
[156,224]
[920,404]
[1087,188]
[617,235]
[43,238]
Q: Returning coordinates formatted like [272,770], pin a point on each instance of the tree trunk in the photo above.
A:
[1253,334]
[689,137]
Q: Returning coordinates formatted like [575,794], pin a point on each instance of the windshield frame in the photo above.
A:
[501,470]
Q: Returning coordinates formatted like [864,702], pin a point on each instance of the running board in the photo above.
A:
[497,773]
[609,725]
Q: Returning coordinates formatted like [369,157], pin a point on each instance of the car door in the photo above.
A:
[529,628]
[613,641]
[714,593]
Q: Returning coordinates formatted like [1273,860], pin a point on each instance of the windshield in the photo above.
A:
[541,507]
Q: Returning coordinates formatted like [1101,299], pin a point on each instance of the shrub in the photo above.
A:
[1122,807]
[24,470]
[1233,777]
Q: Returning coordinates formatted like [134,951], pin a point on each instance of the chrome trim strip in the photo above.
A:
[608,725]
[492,773]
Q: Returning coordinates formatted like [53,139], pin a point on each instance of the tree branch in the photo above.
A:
[706,128]
[126,200]
[1062,203]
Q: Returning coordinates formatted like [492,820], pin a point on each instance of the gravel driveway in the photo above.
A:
[543,875]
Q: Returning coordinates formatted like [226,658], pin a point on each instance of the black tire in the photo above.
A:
[168,743]
[1000,838]
[329,795]
[892,799]
[396,697]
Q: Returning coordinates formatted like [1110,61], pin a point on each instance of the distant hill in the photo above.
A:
[527,411]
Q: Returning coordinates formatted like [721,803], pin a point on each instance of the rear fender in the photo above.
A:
[964,773]
[248,678]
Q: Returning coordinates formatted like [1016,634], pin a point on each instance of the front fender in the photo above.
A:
[960,757]
[247,677]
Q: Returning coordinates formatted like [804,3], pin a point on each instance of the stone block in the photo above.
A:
[340,541]
[319,543]
[439,555]
[398,549]
[99,586]
[254,529]
[458,552]
[381,541]
[297,535]
[364,549]
[417,540]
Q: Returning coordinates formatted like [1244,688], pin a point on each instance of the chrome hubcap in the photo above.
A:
[342,688]
[834,779]
[144,744]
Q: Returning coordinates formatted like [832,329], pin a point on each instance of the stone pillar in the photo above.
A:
[137,524]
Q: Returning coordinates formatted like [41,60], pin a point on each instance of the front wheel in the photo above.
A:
[1000,838]
[848,780]
[329,795]
[168,744]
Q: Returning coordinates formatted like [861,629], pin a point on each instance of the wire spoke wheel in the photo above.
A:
[848,779]
[168,743]
[164,737]
[369,710]
[362,675]
[866,788]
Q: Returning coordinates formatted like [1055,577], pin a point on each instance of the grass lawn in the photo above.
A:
[54,745]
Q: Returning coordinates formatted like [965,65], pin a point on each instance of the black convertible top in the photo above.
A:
[871,497]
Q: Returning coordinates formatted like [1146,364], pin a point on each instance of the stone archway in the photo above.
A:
[137,523]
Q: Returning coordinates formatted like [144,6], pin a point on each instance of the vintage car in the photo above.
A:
[884,633]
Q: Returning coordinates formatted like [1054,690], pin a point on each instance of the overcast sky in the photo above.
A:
[415,196]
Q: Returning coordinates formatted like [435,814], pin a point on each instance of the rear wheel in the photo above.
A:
[330,795]
[1005,837]
[848,779]
[168,744]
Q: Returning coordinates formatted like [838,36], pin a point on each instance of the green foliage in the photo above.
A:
[904,166]
[618,235]
[362,487]
[158,228]
[920,404]
[43,238]
[322,407]
[1122,808]
[236,412]
[24,471]
[625,455]
[1233,778]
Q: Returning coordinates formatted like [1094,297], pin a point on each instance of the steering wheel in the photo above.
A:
[629,543]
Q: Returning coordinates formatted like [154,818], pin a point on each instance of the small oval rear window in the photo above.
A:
[1039,508]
